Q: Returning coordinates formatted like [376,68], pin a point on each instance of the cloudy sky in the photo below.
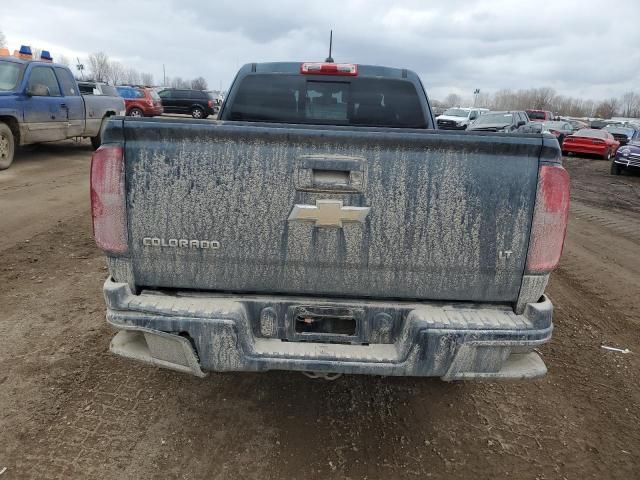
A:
[581,48]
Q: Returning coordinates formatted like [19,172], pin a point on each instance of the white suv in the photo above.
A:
[459,118]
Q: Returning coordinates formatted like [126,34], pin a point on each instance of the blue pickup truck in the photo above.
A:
[41,102]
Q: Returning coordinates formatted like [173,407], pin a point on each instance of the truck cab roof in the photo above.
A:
[325,93]
[294,68]
[28,62]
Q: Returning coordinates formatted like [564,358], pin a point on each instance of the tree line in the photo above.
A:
[102,69]
[546,98]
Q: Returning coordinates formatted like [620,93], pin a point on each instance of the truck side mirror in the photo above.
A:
[521,123]
[38,90]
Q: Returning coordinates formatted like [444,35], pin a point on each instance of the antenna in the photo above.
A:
[329,58]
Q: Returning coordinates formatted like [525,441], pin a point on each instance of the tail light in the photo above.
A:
[150,102]
[107,199]
[597,141]
[549,219]
[347,69]
[210,103]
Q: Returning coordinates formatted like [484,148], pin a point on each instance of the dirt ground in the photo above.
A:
[69,409]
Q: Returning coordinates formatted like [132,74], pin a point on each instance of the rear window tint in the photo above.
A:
[591,133]
[338,101]
[130,92]
[536,115]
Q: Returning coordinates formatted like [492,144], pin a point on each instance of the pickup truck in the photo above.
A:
[324,225]
[41,102]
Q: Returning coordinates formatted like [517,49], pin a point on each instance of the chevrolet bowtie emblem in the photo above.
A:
[328,213]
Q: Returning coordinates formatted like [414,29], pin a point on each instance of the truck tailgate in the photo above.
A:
[334,211]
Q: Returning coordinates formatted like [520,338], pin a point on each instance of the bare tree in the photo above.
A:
[36,52]
[483,100]
[63,60]
[146,79]
[116,73]
[178,82]
[607,108]
[99,66]
[3,40]
[199,83]
[131,76]
[453,100]
[629,101]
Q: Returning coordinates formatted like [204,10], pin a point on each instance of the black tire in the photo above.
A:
[565,153]
[97,140]
[7,146]
[615,169]
[607,154]
[135,112]
[197,112]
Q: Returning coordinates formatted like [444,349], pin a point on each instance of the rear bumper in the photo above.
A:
[595,150]
[195,334]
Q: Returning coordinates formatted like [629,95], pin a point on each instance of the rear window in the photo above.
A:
[340,101]
[533,115]
[591,133]
[154,95]
[619,130]
[86,88]
[130,92]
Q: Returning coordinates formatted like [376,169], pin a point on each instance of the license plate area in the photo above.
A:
[326,323]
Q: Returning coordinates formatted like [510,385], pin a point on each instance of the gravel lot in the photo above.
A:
[69,409]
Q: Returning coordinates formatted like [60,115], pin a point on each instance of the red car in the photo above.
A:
[539,115]
[592,141]
[140,101]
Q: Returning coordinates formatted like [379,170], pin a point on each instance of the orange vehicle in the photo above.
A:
[140,101]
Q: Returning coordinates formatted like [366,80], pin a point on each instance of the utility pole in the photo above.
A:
[80,68]
[164,76]
[476,92]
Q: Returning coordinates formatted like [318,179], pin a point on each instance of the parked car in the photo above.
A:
[140,101]
[577,124]
[506,122]
[559,129]
[97,88]
[197,103]
[539,115]
[598,124]
[627,157]
[278,238]
[591,141]
[459,118]
[41,102]
[621,134]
